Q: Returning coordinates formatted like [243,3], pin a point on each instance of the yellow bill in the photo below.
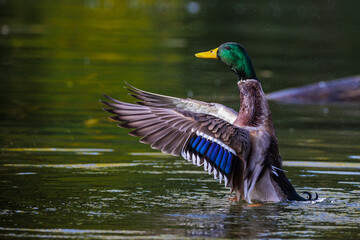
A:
[208,54]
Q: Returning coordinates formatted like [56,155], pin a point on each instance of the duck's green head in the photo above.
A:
[235,56]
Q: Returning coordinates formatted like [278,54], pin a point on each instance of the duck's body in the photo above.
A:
[238,147]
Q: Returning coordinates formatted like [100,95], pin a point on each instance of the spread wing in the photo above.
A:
[162,101]
[204,139]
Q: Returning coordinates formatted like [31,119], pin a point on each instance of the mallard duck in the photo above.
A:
[239,148]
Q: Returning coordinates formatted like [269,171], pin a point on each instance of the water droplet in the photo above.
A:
[193,7]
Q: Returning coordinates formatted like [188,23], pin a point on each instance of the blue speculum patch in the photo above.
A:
[212,152]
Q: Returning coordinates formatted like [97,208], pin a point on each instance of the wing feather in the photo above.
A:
[170,131]
[163,101]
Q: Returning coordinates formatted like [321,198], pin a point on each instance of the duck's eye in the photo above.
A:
[227,48]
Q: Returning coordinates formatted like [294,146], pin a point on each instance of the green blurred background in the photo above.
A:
[58,57]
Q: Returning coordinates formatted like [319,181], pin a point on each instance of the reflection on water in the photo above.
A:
[166,197]
[68,172]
